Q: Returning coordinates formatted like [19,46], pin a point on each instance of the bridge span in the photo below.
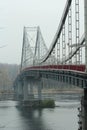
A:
[65,62]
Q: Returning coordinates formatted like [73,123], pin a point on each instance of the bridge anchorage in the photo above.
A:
[65,62]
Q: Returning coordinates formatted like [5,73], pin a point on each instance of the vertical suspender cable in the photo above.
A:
[58,51]
[77,56]
[63,43]
[70,33]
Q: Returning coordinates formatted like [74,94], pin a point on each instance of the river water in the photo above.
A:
[62,117]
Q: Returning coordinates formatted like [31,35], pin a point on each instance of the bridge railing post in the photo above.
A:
[84,110]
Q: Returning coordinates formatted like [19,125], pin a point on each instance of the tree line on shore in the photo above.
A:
[8,73]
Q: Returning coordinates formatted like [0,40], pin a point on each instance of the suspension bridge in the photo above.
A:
[64,62]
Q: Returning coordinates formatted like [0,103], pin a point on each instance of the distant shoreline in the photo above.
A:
[64,90]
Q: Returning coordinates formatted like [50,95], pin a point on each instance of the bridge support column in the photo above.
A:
[84,110]
[25,89]
[16,91]
[39,91]
[84,101]
[31,94]
[20,90]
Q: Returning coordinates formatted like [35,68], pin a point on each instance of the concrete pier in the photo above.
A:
[83,112]
[25,89]
[39,90]
[20,91]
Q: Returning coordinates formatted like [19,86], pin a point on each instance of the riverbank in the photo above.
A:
[63,90]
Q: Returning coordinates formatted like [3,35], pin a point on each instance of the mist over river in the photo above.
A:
[63,117]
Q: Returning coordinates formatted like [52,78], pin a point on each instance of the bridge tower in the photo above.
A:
[84,98]
[85,10]
[28,87]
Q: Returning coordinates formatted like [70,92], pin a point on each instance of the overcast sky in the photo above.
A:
[15,14]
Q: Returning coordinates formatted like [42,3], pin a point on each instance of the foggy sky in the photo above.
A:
[15,14]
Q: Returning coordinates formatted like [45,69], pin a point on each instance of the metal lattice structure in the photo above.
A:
[33,48]
[67,46]
[67,42]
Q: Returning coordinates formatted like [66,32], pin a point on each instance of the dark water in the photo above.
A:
[63,117]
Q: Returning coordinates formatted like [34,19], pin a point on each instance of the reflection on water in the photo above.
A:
[63,117]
